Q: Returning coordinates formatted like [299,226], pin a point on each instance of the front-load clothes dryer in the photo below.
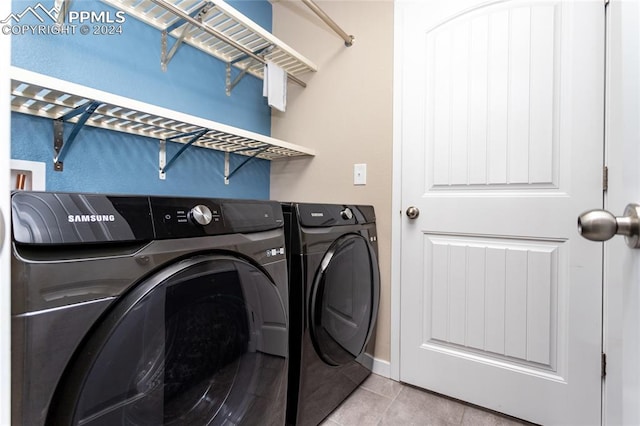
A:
[334,285]
[136,310]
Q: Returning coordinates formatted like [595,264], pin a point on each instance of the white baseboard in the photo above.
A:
[381,367]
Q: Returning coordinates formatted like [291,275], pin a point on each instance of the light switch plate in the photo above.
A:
[359,174]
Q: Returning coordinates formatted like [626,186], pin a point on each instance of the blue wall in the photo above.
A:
[128,64]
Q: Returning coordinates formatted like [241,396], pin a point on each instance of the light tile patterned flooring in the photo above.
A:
[384,402]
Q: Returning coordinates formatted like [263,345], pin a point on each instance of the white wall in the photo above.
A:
[345,114]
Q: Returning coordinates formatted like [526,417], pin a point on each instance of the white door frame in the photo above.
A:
[622,264]
[396,197]
[618,389]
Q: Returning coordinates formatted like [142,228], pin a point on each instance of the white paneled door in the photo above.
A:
[501,116]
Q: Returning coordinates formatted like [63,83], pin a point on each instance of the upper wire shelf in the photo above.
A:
[219,30]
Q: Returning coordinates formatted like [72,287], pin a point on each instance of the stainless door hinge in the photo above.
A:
[605,178]
[603,365]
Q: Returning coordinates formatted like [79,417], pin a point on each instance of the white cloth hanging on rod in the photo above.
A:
[275,86]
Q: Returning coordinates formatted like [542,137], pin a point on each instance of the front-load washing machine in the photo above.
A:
[334,286]
[136,310]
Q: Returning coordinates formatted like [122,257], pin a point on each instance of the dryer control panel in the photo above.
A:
[325,215]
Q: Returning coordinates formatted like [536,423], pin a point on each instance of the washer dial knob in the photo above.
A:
[201,215]
[346,214]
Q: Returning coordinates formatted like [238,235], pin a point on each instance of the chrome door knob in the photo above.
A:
[600,225]
[413,212]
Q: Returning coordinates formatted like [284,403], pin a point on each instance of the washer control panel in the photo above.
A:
[74,218]
[186,217]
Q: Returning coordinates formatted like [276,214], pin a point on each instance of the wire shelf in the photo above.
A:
[44,96]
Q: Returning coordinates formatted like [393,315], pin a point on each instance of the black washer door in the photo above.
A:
[203,342]
[344,300]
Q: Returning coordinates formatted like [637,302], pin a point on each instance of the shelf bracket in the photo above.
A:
[234,83]
[162,159]
[230,85]
[62,6]
[59,145]
[165,57]
[196,135]
[227,174]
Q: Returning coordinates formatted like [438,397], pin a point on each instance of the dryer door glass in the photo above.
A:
[203,342]
[344,300]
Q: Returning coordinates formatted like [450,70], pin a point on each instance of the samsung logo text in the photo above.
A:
[73,218]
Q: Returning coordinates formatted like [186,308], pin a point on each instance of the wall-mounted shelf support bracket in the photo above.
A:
[166,57]
[231,84]
[162,159]
[163,168]
[62,6]
[59,145]
[228,174]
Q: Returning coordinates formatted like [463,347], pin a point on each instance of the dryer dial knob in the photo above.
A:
[201,215]
[346,214]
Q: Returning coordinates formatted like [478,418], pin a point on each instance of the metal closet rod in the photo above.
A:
[171,8]
[348,39]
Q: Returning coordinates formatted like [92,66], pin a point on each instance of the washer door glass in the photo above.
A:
[344,300]
[203,342]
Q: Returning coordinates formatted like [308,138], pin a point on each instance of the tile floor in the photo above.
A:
[384,402]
